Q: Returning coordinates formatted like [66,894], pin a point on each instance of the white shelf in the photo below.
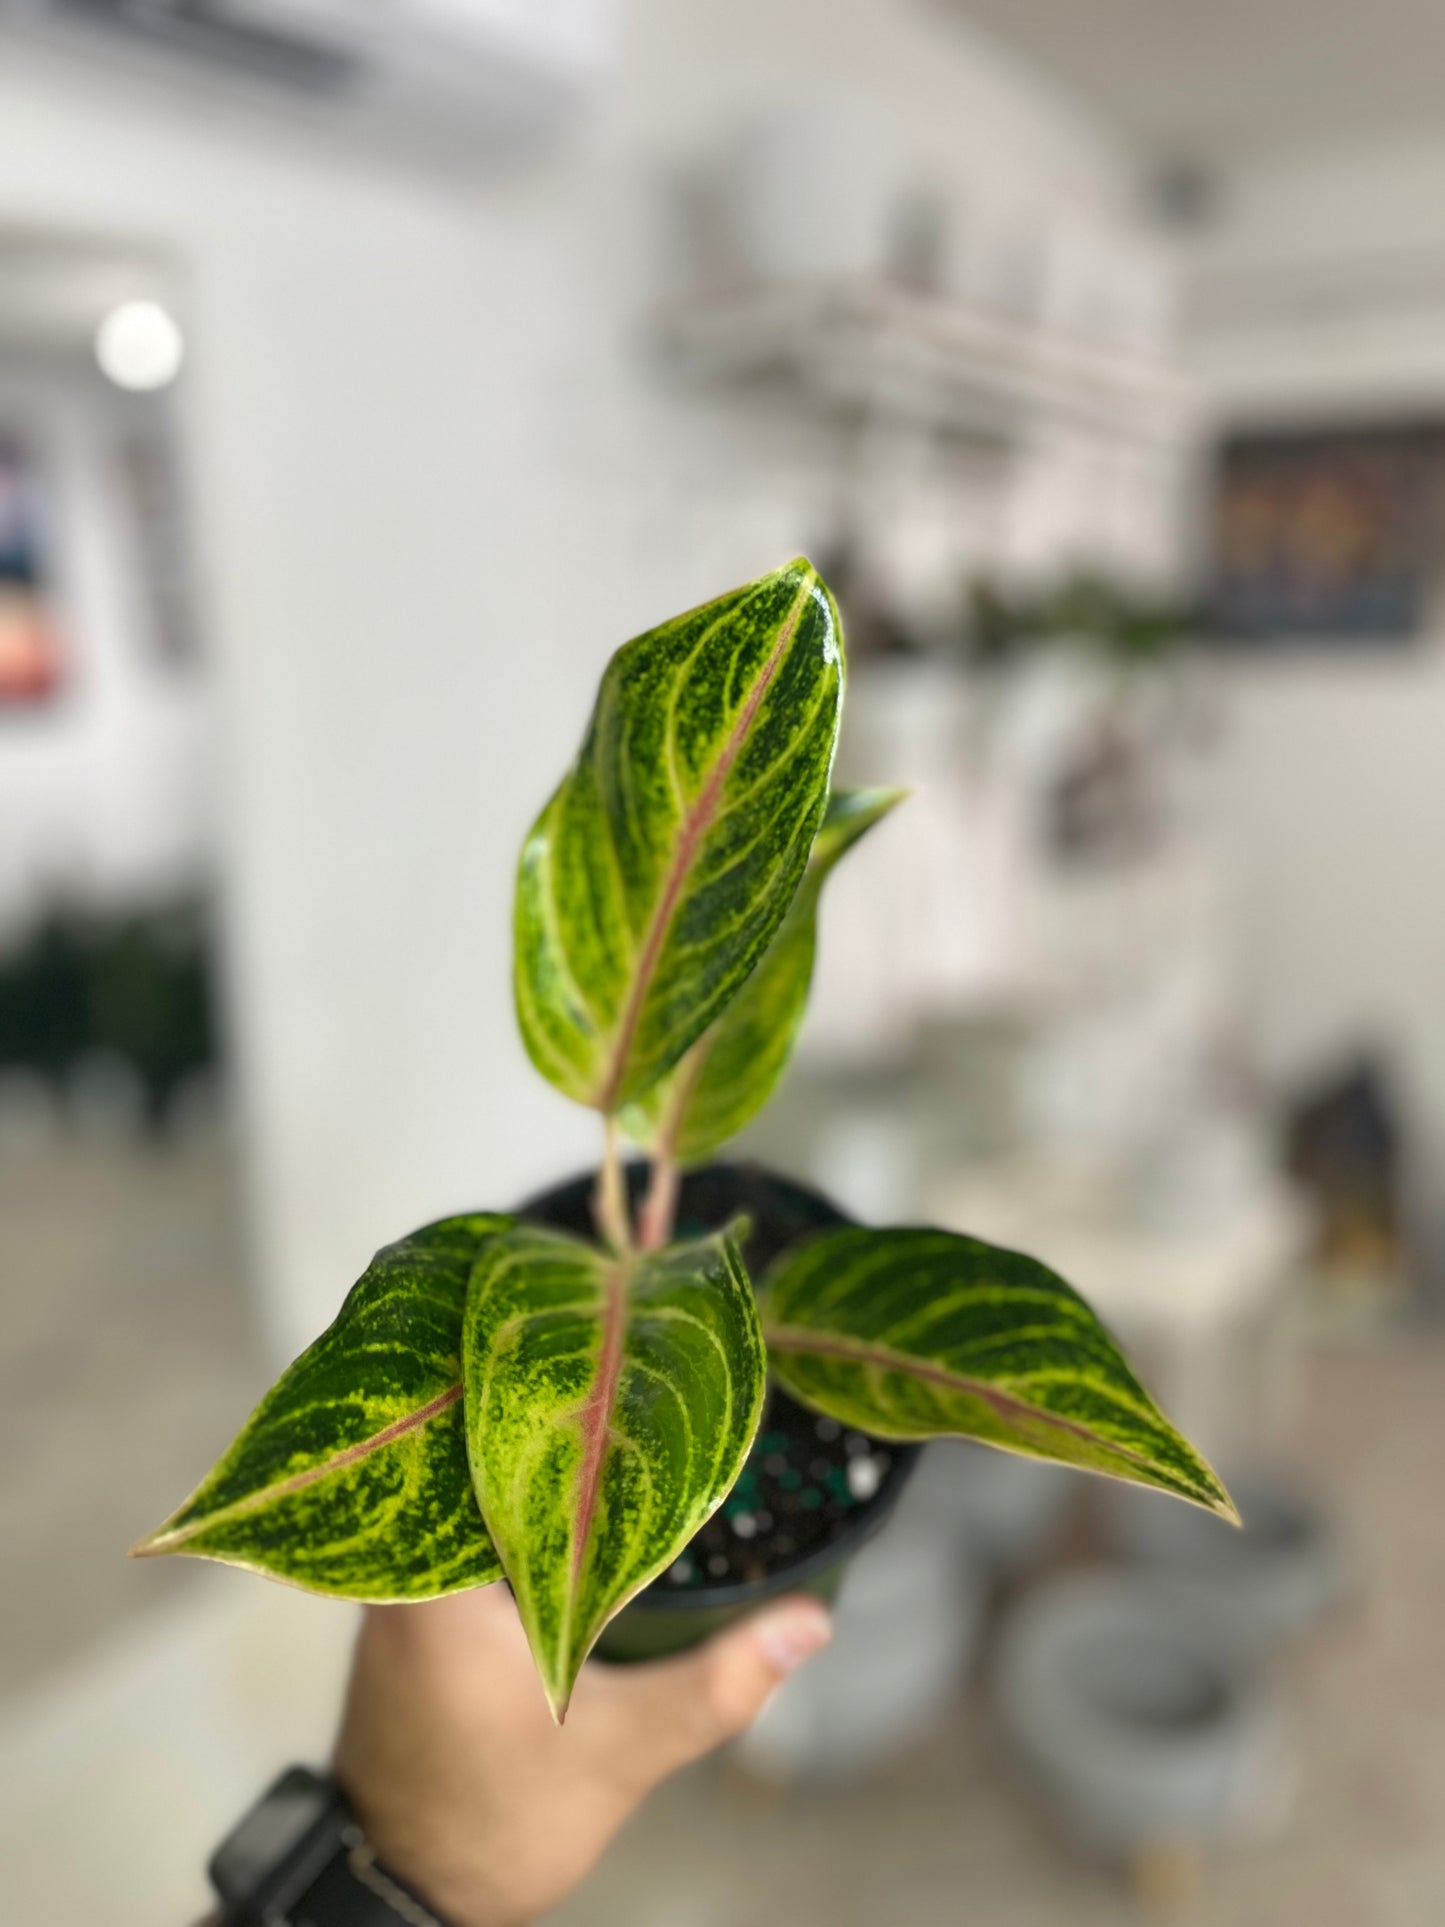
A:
[873,349]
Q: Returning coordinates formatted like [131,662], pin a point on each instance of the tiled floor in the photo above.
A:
[143,1704]
[126,1357]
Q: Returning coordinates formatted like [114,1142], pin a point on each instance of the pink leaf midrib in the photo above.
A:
[595,1417]
[694,827]
[1006,1405]
[349,1455]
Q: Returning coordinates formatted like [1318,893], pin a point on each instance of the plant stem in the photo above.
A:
[609,1201]
[659,1207]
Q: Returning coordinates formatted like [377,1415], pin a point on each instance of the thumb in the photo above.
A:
[678,1709]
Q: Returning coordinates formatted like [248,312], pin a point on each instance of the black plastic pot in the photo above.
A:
[662,1618]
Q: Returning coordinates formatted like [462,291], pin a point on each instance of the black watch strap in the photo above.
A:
[300,1859]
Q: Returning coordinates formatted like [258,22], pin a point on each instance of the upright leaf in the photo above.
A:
[350,1477]
[661,868]
[913,1333]
[610,1405]
[734,1067]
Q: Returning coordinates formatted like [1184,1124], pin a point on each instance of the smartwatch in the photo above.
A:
[300,1859]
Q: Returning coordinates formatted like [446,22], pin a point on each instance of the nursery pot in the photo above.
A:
[812,1491]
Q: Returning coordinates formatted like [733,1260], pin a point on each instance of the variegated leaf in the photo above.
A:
[734,1067]
[610,1405]
[663,865]
[351,1475]
[914,1333]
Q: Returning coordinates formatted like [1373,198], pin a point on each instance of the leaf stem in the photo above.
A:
[659,1207]
[609,1201]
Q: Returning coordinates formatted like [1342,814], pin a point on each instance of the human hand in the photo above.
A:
[470,1793]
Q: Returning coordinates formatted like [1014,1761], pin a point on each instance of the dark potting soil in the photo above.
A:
[808,1480]
[805,1481]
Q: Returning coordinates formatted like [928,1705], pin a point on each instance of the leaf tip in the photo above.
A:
[803,576]
[1216,1497]
[167,1538]
[1213,1497]
[738,1229]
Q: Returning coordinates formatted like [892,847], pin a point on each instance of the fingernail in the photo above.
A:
[790,1634]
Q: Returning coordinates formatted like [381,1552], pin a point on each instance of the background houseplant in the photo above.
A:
[499,1398]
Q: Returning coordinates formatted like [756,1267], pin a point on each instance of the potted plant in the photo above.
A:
[565,1404]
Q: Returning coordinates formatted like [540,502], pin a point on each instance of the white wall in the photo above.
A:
[1320,296]
[103,792]
[1320,289]
[1335,793]
[435,488]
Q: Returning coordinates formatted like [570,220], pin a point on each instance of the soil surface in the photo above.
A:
[804,1484]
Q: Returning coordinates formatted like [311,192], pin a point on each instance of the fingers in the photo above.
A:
[678,1709]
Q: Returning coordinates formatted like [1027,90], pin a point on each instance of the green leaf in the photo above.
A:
[663,865]
[610,1405]
[350,1477]
[734,1067]
[915,1333]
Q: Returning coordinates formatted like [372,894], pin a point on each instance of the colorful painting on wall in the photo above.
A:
[32,665]
[1327,537]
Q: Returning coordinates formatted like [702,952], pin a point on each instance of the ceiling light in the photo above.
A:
[139,346]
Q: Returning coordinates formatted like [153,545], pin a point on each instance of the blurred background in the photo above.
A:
[367,374]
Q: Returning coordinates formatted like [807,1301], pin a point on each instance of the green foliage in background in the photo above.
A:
[1002,625]
[499,1399]
[136,986]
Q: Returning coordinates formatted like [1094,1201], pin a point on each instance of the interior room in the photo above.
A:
[368,376]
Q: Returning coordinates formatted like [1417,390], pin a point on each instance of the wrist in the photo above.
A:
[300,1858]
[413,1842]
